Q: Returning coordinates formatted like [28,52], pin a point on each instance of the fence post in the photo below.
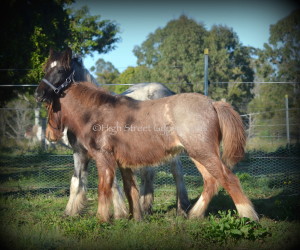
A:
[43,134]
[206,72]
[36,116]
[250,126]
[287,119]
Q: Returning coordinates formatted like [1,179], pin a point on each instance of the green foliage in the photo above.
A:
[25,40]
[227,226]
[125,77]
[175,54]
[244,176]
[139,74]
[280,58]
[90,33]
[106,73]
[278,61]
[229,61]
[285,46]
[39,25]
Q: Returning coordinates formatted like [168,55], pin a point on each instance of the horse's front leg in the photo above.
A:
[183,202]
[132,193]
[106,166]
[78,188]
[120,210]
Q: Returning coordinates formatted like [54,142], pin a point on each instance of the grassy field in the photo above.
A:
[37,222]
[33,195]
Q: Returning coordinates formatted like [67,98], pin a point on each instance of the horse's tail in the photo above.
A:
[233,133]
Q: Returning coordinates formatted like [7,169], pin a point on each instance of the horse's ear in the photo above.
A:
[67,57]
[68,53]
[51,52]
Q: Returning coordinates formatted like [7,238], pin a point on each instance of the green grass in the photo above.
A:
[34,195]
[37,222]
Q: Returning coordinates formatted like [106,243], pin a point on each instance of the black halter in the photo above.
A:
[63,86]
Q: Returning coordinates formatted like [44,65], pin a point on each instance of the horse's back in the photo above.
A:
[180,108]
[188,113]
[148,91]
[156,129]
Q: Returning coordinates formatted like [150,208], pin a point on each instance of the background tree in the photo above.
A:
[175,54]
[284,47]
[89,33]
[229,61]
[124,78]
[106,73]
[138,74]
[279,61]
[34,26]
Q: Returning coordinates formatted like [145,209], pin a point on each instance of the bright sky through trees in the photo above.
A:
[251,20]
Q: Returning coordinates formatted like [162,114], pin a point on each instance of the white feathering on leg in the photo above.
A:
[198,209]
[246,210]
[77,198]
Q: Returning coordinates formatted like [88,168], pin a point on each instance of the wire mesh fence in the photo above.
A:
[49,173]
[46,173]
[29,163]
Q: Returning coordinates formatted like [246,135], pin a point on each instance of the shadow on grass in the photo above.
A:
[280,207]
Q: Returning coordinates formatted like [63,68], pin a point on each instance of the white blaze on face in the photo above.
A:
[53,64]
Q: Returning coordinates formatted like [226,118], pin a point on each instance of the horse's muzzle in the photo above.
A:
[40,96]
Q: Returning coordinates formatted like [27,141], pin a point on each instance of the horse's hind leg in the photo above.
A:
[132,193]
[210,188]
[146,189]
[231,184]
[183,202]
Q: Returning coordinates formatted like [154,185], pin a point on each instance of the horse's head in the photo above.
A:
[58,76]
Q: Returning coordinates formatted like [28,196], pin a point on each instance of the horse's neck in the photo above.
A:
[84,95]
[89,77]
[72,100]
[79,74]
[78,103]
[71,111]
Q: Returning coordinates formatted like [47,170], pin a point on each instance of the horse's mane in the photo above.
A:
[81,73]
[90,95]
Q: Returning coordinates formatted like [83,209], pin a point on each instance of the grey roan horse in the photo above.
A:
[77,200]
[190,122]
[152,91]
